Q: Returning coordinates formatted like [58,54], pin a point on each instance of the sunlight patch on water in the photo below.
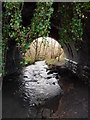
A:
[37,84]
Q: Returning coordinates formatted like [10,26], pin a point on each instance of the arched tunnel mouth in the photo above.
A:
[38,90]
[40,82]
[44,48]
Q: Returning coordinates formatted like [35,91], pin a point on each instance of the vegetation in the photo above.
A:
[72,16]
[12,27]
[29,60]
[51,61]
[23,36]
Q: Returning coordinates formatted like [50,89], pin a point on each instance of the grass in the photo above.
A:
[29,60]
[51,61]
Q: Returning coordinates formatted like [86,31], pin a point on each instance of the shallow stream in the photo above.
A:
[34,93]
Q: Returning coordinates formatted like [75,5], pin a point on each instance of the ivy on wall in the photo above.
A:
[73,17]
[14,30]
[41,20]
[40,25]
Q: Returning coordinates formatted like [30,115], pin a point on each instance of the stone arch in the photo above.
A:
[27,14]
[80,56]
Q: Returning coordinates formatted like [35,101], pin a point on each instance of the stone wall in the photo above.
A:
[82,71]
[13,58]
[80,56]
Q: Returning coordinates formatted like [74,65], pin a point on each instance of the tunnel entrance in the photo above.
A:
[36,92]
[44,48]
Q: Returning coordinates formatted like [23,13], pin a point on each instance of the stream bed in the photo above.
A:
[39,93]
[26,94]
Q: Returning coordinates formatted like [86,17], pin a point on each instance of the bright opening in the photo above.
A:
[44,48]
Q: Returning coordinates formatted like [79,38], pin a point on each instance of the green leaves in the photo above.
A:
[41,20]
[11,26]
[14,30]
[73,18]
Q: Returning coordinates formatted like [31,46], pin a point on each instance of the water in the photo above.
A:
[34,93]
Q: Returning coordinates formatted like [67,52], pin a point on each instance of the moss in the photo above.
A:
[29,60]
[51,61]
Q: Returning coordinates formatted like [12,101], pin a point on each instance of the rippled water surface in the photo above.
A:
[35,93]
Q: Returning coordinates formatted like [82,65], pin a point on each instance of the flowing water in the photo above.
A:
[34,93]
